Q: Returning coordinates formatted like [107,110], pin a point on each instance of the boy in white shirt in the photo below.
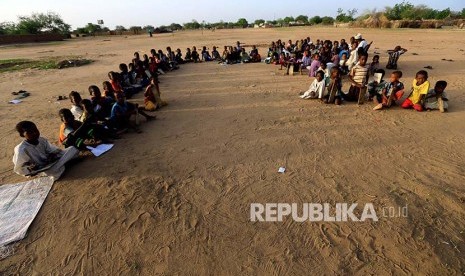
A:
[316,89]
[35,155]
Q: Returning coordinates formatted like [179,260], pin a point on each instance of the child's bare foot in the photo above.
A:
[378,107]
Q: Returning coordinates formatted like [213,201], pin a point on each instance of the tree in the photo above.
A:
[120,28]
[399,11]
[327,20]
[343,17]
[135,29]
[8,28]
[175,26]
[259,22]
[91,28]
[279,22]
[242,22]
[192,25]
[315,20]
[443,14]
[42,23]
[302,18]
[288,19]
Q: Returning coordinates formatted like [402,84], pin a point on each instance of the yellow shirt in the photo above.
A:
[418,90]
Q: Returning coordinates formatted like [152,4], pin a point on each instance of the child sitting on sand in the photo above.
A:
[376,86]
[75,133]
[35,155]
[316,89]
[195,54]
[334,88]
[245,58]
[392,91]
[205,54]
[254,55]
[344,65]
[188,56]
[374,65]
[358,78]
[215,54]
[420,87]
[122,111]
[437,97]
[314,65]
[152,97]
[102,105]
[76,108]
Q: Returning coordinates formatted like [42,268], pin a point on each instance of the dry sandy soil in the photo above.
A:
[176,198]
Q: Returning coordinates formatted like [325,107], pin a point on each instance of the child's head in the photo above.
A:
[316,56]
[136,55]
[87,106]
[421,77]
[146,57]
[376,58]
[153,52]
[344,56]
[123,67]
[440,86]
[130,66]
[362,58]
[28,130]
[107,87]
[319,75]
[335,72]
[75,98]
[395,76]
[66,116]
[94,91]
[323,66]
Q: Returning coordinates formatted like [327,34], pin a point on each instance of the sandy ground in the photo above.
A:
[176,198]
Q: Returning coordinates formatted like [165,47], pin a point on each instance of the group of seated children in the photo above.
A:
[89,122]
[306,54]
[230,55]
[383,93]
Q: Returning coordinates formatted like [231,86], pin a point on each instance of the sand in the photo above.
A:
[175,199]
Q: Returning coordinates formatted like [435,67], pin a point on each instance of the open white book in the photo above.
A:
[377,77]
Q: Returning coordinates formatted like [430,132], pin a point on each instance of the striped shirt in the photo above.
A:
[394,57]
[359,73]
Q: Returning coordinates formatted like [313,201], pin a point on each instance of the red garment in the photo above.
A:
[409,104]
[116,86]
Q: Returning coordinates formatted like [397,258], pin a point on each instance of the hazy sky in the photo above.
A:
[144,12]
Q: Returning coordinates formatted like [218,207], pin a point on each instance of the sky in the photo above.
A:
[145,12]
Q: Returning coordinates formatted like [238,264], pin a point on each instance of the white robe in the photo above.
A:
[27,155]
[317,87]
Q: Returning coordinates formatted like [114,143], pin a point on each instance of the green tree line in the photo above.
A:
[51,22]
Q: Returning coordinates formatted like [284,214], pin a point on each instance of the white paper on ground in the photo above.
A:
[100,149]
[281,169]
[19,205]
[15,101]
